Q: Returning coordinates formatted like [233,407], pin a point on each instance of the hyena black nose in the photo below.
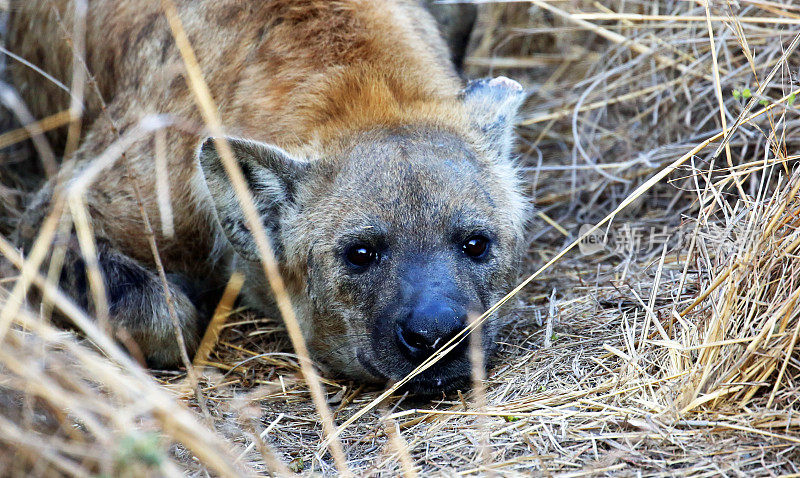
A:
[428,328]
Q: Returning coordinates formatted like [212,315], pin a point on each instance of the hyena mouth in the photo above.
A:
[425,384]
[428,386]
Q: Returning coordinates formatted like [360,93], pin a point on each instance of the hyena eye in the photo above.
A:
[476,246]
[361,255]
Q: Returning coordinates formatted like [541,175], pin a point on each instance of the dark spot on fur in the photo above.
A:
[177,83]
[39,54]
[263,31]
[248,173]
[166,47]
[147,29]
[228,15]
[126,43]
[110,63]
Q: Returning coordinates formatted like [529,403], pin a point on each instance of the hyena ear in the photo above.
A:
[271,175]
[493,105]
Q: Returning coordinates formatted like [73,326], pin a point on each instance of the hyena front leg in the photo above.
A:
[136,297]
[137,303]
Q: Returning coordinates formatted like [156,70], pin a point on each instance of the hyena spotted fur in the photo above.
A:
[385,184]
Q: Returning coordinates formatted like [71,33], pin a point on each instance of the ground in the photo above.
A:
[665,347]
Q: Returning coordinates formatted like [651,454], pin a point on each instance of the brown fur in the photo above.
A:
[322,79]
[272,83]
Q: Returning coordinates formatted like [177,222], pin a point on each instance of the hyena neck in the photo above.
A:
[364,97]
[364,65]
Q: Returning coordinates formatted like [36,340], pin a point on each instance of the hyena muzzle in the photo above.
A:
[386,187]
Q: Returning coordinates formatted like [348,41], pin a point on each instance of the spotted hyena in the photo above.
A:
[385,185]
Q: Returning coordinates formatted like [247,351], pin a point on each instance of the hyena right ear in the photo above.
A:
[271,175]
[492,105]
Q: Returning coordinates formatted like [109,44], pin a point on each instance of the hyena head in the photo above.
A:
[390,246]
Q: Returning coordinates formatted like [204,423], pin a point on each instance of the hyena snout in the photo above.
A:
[432,322]
[435,308]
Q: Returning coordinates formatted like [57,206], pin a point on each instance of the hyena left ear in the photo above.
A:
[493,105]
[271,175]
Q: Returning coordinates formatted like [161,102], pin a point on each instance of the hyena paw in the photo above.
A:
[154,330]
[137,305]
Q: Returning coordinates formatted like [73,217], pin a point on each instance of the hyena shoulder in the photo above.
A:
[129,50]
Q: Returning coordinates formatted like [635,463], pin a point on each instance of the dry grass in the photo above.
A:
[673,350]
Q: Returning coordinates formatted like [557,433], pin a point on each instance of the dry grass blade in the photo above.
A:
[78,86]
[666,345]
[720,99]
[44,125]
[11,100]
[762,86]
[221,314]
[757,303]
[682,18]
